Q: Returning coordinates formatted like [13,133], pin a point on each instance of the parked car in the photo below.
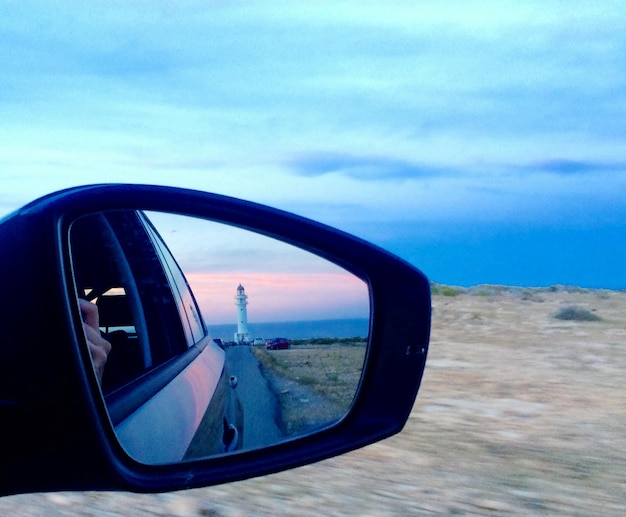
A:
[148,424]
[279,343]
[258,341]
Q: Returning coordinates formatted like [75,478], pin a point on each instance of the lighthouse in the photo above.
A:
[241,300]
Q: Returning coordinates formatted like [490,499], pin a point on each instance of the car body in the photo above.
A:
[278,343]
[258,341]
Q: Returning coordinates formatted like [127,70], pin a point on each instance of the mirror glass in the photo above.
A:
[209,339]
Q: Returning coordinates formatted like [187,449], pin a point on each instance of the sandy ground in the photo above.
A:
[518,413]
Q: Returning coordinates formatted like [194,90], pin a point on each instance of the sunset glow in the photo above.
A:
[281,297]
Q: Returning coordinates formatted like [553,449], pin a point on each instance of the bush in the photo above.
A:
[444,290]
[575,313]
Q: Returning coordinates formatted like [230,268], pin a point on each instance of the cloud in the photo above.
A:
[362,167]
[572,167]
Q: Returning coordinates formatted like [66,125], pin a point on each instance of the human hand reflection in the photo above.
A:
[99,348]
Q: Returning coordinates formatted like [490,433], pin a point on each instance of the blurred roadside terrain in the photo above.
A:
[522,410]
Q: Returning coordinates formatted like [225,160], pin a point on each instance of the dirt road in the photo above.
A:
[518,413]
[259,401]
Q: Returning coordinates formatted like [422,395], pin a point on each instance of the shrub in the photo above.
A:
[575,313]
[450,291]
[444,290]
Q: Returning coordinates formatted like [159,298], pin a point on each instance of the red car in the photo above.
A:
[279,343]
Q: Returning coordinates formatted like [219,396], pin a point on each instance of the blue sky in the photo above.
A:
[485,142]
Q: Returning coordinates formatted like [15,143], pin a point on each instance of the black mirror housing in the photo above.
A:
[57,433]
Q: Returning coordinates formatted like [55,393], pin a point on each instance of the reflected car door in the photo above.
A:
[164,371]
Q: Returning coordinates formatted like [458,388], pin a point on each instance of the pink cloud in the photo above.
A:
[281,296]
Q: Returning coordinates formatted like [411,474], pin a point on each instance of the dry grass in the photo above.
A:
[315,383]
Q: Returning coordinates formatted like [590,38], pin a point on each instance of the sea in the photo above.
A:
[343,328]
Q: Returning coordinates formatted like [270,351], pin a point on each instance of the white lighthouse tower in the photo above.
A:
[241,300]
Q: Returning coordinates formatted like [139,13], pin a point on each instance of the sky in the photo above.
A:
[484,142]
[282,282]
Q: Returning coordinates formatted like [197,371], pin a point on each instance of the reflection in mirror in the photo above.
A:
[208,339]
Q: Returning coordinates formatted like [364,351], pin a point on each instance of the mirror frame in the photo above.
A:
[62,439]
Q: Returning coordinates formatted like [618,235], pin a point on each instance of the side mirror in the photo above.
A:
[208,375]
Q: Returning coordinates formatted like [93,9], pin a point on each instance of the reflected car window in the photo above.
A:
[193,324]
[117,267]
